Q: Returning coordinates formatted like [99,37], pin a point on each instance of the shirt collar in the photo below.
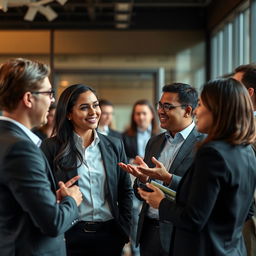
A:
[148,130]
[35,139]
[184,133]
[105,128]
[79,140]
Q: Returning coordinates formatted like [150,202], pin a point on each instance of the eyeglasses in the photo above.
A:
[49,93]
[167,107]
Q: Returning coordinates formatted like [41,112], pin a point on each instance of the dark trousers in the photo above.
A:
[150,244]
[94,240]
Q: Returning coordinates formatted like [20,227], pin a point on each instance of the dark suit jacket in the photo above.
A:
[114,133]
[180,165]
[119,191]
[130,145]
[31,222]
[212,202]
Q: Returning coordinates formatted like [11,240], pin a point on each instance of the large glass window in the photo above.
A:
[230,43]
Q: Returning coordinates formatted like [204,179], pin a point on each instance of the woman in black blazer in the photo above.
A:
[214,197]
[143,119]
[77,149]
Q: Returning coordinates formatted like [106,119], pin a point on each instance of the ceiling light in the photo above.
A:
[122,17]
[3,5]
[122,25]
[123,7]
[64,83]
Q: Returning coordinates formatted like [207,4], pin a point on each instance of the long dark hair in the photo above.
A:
[232,111]
[67,154]
[132,130]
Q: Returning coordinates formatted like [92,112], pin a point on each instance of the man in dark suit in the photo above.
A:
[246,74]
[174,148]
[32,218]
[106,119]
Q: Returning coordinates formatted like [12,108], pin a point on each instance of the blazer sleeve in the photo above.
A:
[28,181]
[125,192]
[147,160]
[208,171]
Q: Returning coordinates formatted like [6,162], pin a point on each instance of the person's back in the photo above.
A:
[232,195]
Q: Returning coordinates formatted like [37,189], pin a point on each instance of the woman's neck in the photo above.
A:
[87,137]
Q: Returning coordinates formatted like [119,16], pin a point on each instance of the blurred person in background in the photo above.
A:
[45,131]
[142,127]
[106,118]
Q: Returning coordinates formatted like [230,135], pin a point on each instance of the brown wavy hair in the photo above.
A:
[232,110]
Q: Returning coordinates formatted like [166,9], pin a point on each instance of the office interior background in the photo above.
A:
[127,50]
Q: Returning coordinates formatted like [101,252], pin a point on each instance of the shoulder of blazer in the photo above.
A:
[129,138]
[108,144]
[114,142]
[50,145]
[160,138]
[11,128]
[197,134]
[115,133]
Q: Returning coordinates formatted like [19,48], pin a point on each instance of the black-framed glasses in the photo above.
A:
[167,106]
[49,93]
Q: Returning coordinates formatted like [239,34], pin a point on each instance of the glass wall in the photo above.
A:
[230,42]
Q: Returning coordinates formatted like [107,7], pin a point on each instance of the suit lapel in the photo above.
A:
[134,144]
[157,149]
[107,160]
[185,149]
[49,173]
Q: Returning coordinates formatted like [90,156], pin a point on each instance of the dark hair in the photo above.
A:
[52,106]
[232,111]
[103,102]
[249,75]
[188,95]
[132,130]
[18,76]
[63,128]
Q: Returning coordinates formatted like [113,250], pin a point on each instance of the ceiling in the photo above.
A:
[105,14]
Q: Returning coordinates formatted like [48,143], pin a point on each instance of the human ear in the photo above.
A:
[251,91]
[188,111]
[27,99]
